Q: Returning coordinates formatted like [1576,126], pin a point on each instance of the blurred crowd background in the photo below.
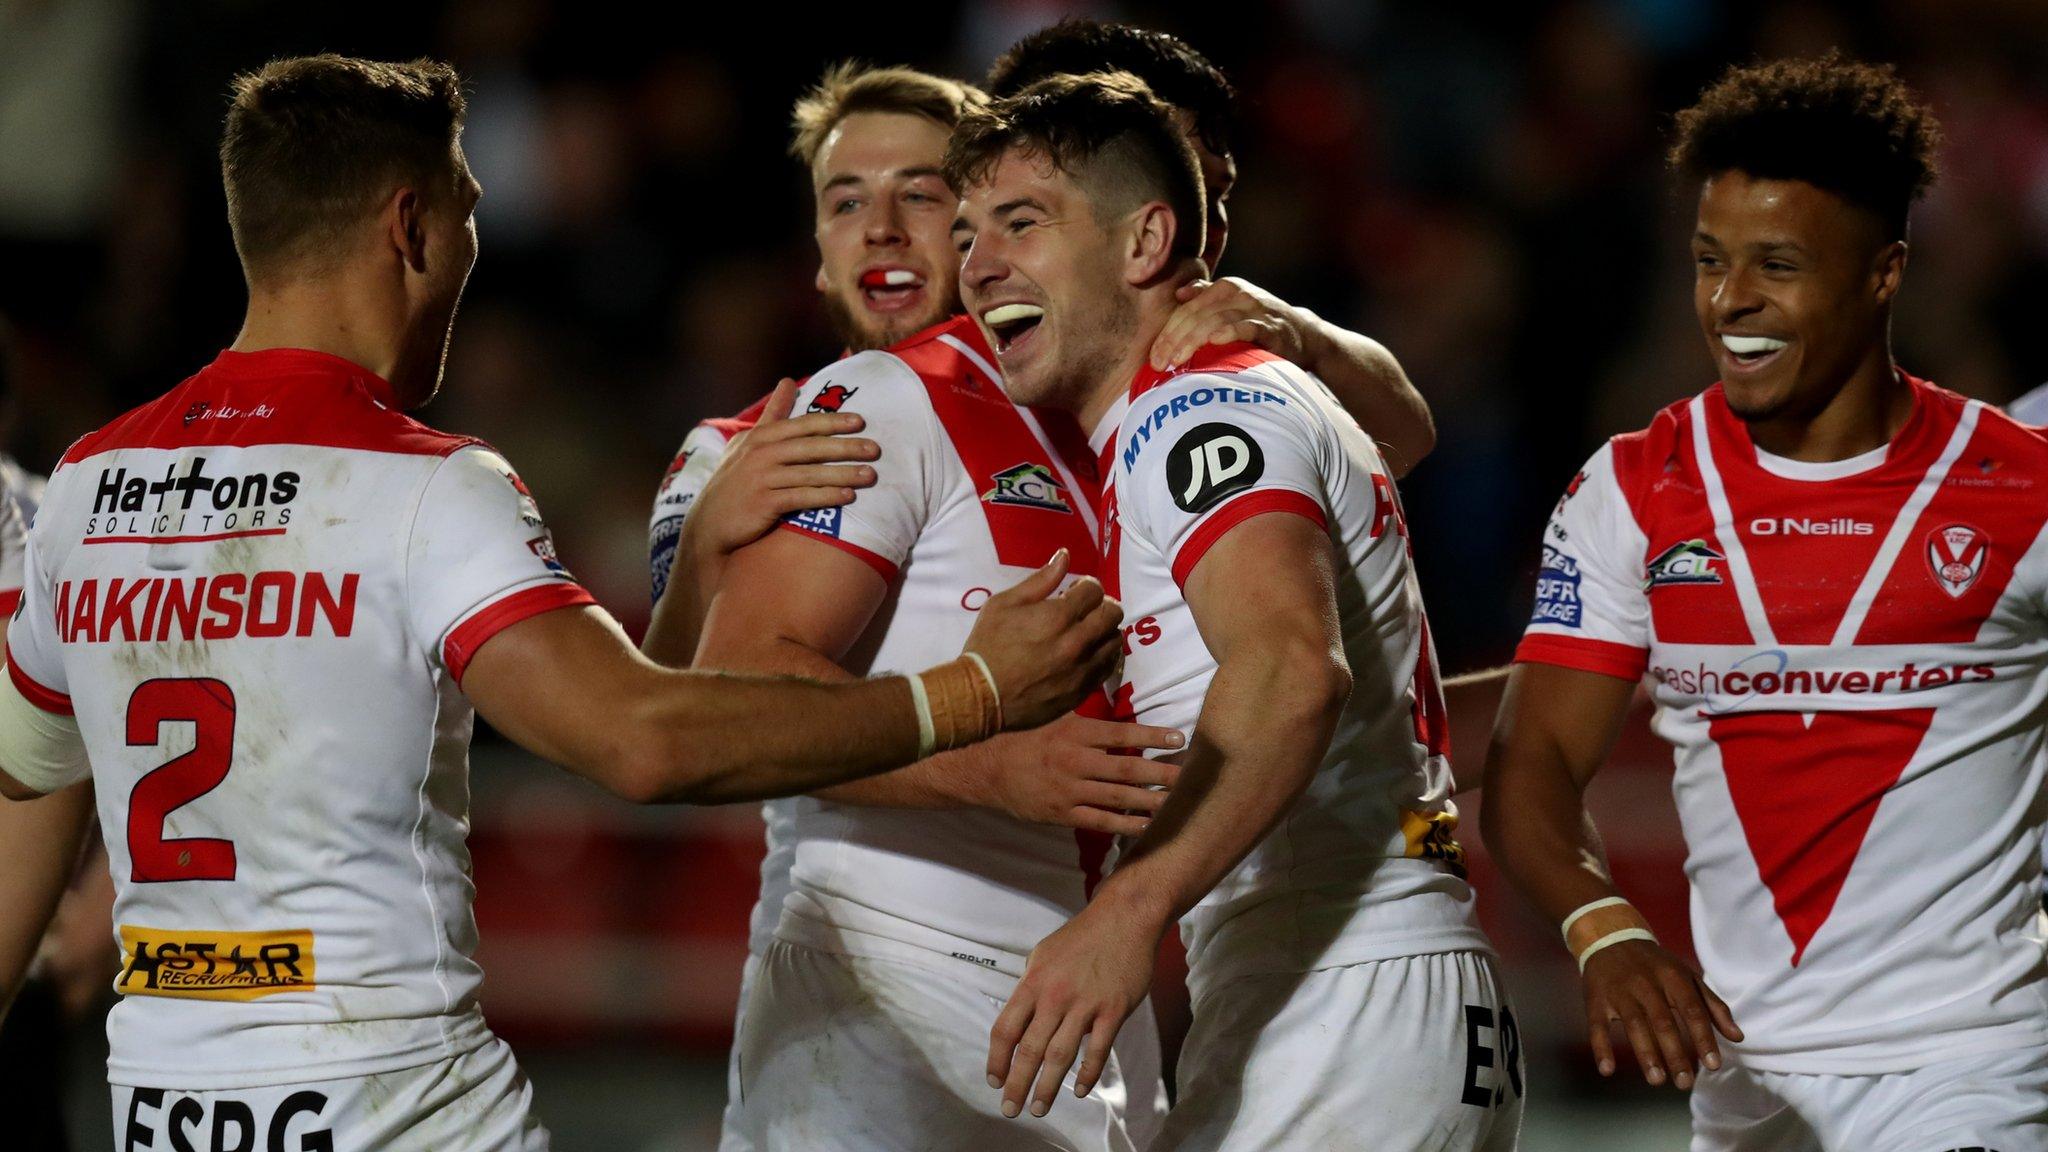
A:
[1479,186]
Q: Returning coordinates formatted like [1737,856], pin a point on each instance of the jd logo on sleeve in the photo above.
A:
[1210,463]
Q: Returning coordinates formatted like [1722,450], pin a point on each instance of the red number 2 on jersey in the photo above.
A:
[209,706]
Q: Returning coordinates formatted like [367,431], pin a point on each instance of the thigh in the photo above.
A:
[1737,1110]
[479,1102]
[847,1054]
[732,1135]
[1994,1103]
[1143,1067]
[1413,1053]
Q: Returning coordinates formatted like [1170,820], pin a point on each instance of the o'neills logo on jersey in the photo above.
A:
[1955,554]
[128,504]
[159,608]
[196,964]
[1800,526]
[1028,486]
[1770,673]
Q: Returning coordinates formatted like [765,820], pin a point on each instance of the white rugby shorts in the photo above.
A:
[1412,1054]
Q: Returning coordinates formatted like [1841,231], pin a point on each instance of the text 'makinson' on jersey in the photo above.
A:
[258,595]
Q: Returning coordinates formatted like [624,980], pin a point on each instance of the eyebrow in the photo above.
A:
[1009,206]
[1764,246]
[847,178]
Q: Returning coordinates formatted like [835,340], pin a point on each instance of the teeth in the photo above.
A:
[1750,345]
[1011,314]
[896,277]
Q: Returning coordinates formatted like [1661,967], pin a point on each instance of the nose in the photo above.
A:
[984,266]
[885,225]
[1736,295]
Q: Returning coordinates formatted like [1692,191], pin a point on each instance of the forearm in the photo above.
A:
[1538,831]
[1371,385]
[42,838]
[936,782]
[1250,760]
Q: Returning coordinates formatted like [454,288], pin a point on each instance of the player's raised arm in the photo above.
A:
[781,465]
[568,685]
[1280,684]
[1366,378]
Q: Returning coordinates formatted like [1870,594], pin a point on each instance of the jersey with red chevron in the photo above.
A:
[973,494]
[258,594]
[1365,864]
[1849,659]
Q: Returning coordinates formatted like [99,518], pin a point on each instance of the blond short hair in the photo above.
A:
[850,86]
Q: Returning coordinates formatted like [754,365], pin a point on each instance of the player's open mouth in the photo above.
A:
[890,289]
[1012,324]
[1752,352]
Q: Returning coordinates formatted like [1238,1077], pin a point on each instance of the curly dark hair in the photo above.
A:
[1105,129]
[1167,64]
[1853,128]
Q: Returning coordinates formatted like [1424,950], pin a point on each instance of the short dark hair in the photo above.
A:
[1106,129]
[1853,128]
[1170,65]
[312,143]
[850,86]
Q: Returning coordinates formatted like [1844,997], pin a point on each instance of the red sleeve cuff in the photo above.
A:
[1622,661]
[48,699]
[1237,511]
[878,562]
[469,636]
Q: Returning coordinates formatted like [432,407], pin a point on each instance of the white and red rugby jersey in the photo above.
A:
[974,493]
[1848,658]
[1367,856]
[258,595]
[684,481]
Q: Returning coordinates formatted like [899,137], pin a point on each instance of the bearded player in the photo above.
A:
[866,137]
[1344,996]
[1836,578]
[267,604]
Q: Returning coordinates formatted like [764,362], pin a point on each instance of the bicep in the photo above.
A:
[1554,715]
[789,588]
[1290,563]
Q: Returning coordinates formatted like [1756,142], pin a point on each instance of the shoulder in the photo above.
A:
[1206,403]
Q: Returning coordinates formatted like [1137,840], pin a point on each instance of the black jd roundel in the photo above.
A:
[1210,463]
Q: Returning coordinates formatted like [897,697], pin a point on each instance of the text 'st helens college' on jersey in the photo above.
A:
[1849,658]
[974,493]
[1367,854]
[258,595]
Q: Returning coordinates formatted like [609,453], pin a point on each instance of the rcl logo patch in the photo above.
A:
[1028,486]
[1210,463]
[1955,555]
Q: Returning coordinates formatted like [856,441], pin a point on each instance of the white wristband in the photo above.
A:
[927,736]
[1595,906]
[1613,938]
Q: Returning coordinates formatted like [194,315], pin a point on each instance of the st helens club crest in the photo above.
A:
[1955,554]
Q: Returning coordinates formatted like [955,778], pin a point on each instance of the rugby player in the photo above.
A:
[1341,985]
[1835,576]
[259,612]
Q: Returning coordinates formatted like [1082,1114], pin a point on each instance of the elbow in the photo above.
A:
[1416,445]
[1311,682]
[644,761]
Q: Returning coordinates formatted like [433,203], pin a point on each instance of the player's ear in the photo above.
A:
[405,225]
[1890,271]
[1153,230]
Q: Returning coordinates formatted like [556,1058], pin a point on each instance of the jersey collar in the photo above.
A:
[271,363]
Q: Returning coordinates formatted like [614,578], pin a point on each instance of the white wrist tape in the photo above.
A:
[1595,906]
[927,734]
[1613,938]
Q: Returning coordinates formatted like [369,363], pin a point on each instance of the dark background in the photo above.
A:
[1479,186]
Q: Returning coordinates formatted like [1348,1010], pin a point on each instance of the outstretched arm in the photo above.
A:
[1555,729]
[1366,378]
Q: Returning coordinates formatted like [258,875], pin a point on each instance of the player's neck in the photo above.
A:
[1864,415]
[1154,307]
[325,316]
